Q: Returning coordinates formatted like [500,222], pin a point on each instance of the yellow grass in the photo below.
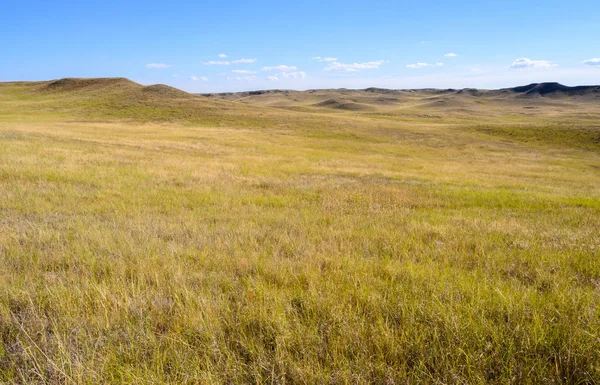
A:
[256,245]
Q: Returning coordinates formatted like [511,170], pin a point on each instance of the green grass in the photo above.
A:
[567,134]
[286,247]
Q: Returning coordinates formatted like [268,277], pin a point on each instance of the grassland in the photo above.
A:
[151,236]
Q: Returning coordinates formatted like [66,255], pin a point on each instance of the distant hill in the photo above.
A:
[118,98]
[531,89]
[113,86]
[400,102]
[555,89]
[82,85]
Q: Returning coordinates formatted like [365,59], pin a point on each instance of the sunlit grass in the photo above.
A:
[295,249]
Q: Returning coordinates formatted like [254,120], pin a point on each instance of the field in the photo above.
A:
[330,237]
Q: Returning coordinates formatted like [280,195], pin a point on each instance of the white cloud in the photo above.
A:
[242,72]
[244,61]
[158,65]
[217,63]
[294,75]
[247,78]
[324,59]
[424,65]
[595,62]
[450,55]
[222,55]
[527,63]
[341,67]
[199,78]
[280,68]
[272,78]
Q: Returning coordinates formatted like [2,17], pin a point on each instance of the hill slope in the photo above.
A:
[114,98]
[556,89]
[119,98]
[553,97]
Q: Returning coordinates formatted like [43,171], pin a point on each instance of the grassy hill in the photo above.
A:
[148,235]
[113,99]
[466,103]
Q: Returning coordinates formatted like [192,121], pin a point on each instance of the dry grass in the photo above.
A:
[272,246]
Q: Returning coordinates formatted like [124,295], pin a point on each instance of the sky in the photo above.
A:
[219,46]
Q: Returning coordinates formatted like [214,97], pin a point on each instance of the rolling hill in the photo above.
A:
[121,98]
[114,98]
[550,97]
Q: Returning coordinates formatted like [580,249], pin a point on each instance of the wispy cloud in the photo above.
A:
[324,59]
[158,65]
[222,56]
[217,63]
[595,62]
[528,63]
[272,78]
[244,61]
[199,78]
[242,72]
[341,67]
[280,68]
[294,75]
[424,65]
[451,54]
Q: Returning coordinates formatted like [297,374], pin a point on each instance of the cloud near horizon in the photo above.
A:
[244,61]
[280,68]
[354,67]
[324,59]
[246,74]
[246,78]
[158,65]
[424,65]
[294,75]
[595,62]
[528,63]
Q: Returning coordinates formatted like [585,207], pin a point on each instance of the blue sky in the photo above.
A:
[210,46]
